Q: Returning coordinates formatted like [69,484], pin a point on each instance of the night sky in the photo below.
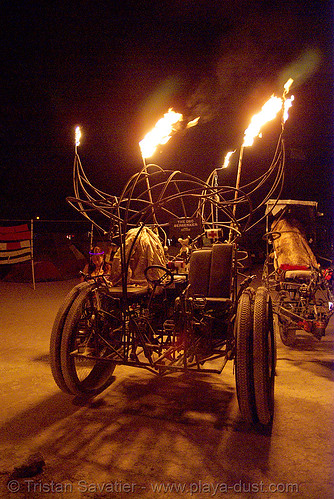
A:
[115,67]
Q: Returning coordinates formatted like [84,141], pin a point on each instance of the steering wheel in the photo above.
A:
[271,236]
[165,279]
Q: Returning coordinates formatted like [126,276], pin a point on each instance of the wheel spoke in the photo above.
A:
[82,345]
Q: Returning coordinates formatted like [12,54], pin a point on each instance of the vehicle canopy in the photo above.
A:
[293,229]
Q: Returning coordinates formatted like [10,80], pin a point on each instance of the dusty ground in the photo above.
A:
[183,433]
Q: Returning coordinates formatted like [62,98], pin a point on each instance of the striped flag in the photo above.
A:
[15,244]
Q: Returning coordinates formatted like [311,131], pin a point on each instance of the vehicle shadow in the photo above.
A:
[185,426]
[310,354]
[31,422]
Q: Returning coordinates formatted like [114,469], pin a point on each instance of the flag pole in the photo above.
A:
[32,252]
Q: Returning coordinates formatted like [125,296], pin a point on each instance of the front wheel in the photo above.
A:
[57,334]
[91,339]
[244,356]
[264,355]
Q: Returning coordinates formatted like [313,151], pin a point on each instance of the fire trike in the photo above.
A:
[166,313]
[299,286]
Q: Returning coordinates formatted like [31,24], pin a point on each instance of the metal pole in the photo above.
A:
[149,191]
[91,237]
[237,185]
[216,225]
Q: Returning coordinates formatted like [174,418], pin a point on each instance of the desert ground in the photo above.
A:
[149,436]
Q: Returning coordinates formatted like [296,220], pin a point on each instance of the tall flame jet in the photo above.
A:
[268,112]
[160,134]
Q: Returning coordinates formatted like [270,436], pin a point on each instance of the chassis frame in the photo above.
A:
[170,322]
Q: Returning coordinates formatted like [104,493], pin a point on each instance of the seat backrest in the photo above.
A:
[210,271]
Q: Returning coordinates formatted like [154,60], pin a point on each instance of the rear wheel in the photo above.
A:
[264,355]
[287,334]
[91,339]
[244,357]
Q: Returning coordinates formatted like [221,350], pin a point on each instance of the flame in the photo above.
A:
[268,112]
[286,106]
[193,122]
[77,136]
[287,85]
[227,159]
[160,134]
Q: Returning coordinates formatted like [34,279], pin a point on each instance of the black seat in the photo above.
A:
[210,272]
